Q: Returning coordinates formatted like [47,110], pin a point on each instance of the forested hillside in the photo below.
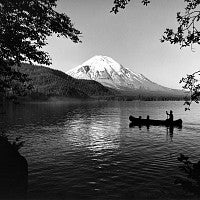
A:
[49,82]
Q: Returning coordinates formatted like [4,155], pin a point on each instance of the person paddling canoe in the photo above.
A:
[171,117]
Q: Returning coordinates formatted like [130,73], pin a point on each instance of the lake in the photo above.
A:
[87,150]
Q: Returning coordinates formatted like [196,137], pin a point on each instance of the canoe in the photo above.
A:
[147,122]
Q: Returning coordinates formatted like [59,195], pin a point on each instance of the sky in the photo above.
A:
[131,37]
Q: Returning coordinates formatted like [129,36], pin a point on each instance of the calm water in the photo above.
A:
[87,150]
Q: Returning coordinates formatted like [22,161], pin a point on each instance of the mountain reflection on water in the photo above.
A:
[87,150]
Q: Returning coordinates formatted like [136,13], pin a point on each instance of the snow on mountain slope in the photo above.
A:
[109,73]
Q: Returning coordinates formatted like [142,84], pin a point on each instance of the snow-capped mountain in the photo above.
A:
[109,73]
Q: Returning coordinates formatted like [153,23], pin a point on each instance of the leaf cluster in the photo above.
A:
[187,32]
[121,4]
[191,83]
[25,26]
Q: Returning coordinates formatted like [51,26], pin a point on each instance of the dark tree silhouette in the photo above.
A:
[186,34]
[25,26]
[191,83]
[121,4]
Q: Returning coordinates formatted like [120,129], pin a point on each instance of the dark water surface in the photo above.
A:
[87,150]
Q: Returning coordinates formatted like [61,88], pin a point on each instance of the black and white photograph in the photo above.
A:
[99,99]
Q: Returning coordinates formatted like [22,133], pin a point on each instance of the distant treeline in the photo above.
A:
[147,98]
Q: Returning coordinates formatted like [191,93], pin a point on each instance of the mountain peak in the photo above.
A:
[109,73]
[101,63]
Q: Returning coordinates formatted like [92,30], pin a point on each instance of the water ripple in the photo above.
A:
[82,151]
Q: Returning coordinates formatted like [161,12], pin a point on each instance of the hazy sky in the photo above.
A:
[132,38]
